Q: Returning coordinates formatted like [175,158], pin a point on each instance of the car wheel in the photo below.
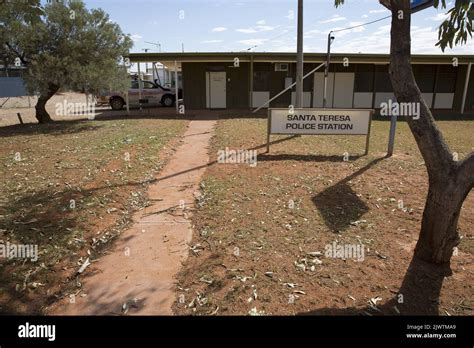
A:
[167,100]
[117,103]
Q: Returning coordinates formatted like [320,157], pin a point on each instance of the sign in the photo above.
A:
[416,5]
[307,121]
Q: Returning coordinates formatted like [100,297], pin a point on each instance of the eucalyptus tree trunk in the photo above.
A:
[41,114]
[450,181]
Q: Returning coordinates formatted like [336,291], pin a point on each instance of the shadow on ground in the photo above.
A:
[38,218]
[418,295]
[339,205]
[55,128]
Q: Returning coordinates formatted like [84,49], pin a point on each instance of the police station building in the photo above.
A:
[236,80]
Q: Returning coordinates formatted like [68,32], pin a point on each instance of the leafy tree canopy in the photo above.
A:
[65,45]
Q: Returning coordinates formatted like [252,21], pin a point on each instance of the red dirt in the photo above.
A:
[138,274]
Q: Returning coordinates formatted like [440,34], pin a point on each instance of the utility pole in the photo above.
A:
[326,70]
[146,63]
[299,62]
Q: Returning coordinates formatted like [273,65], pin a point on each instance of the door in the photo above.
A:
[151,93]
[133,93]
[318,90]
[343,90]
[216,89]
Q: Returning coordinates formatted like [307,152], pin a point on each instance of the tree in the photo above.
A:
[11,14]
[450,181]
[69,47]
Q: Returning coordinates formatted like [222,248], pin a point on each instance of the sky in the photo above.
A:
[266,26]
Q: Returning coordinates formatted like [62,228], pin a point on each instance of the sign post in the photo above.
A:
[307,121]
[391,136]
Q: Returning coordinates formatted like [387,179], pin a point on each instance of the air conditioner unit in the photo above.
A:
[281,66]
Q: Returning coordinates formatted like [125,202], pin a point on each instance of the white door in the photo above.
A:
[318,90]
[343,90]
[216,90]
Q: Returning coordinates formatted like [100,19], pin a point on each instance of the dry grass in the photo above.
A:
[70,187]
[256,249]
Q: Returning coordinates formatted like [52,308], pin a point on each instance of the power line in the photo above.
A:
[332,31]
[283,33]
[361,25]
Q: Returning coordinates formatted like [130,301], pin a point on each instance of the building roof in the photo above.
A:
[291,57]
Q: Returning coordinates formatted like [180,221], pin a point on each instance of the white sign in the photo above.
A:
[320,121]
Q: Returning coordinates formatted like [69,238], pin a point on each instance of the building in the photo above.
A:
[248,79]
[11,82]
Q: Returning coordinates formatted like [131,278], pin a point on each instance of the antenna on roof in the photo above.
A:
[157,44]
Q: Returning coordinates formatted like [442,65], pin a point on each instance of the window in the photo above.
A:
[148,85]
[382,79]
[134,84]
[281,67]
[446,79]
[364,78]
[261,81]
[425,77]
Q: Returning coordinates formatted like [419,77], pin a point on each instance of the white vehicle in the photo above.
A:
[152,94]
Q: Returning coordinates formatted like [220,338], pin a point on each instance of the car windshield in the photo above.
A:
[148,85]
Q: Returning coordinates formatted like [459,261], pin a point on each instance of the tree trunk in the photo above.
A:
[449,181]
[41,114]
[439,235]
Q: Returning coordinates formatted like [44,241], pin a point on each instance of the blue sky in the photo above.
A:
[270,25]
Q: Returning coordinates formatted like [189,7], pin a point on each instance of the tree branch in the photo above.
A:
[466,170]
[21,56]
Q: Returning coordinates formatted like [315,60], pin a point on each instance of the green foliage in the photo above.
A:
[457,28]
[70,47]
[13,14]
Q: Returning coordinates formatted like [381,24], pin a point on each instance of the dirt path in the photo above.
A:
[140,270]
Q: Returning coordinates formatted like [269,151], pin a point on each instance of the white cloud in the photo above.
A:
[439,17]
[261,22]
[211,41]
[256,29]
[218,29]
[334,18]
[264,28]
[247,31]
[252,42]
[311,33]
[136,37]
[358,29]
[377,11]
[423,42]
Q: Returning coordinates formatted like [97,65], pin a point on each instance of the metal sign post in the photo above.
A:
[299,62]
[391,136]
[269,126]
[367,140]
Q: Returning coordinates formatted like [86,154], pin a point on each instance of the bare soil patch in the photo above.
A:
[261,232]
[70,188]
